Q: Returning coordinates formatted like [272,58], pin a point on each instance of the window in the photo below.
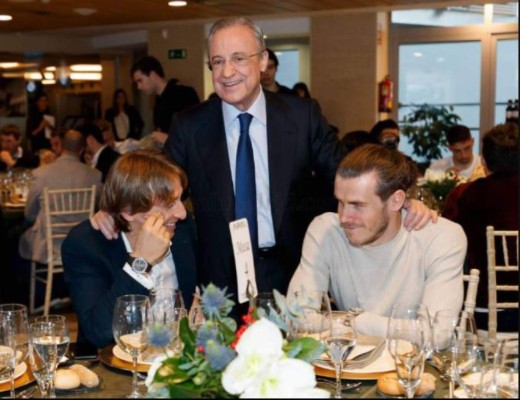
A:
[506,76]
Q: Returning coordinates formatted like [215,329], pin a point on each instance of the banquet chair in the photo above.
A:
[506,243]
[472,279]
[62,210]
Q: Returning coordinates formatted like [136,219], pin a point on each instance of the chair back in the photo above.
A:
[472,279]
[505,243]
[63,209]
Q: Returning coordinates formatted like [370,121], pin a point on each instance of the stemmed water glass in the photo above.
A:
[39,371]
[44,344]
[196,315]
[129,327]
[61,331]
[454,343]
[310,306]
[408,343]
[15,335]
[339,334]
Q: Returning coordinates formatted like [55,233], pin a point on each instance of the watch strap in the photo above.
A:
[132,259]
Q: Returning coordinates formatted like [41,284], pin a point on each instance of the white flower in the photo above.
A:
[434,175]
[286,378]
[261,369]
[258,347]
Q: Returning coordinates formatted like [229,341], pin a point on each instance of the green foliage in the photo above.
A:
[426,127]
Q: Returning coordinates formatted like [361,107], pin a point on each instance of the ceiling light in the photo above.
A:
[48,82]
[85,12]
[177,3]
[86,68]
[12,75]
[51,68]
[5,17]
[32,76]
[48,75]
[85,76]
[6,65]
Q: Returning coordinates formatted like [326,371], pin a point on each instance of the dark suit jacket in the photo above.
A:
[93,268]
[135,122]
[107,157]
[300,141]
[173,99]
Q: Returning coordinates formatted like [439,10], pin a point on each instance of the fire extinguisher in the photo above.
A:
[386,87]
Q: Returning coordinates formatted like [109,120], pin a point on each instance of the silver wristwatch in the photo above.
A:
[139,264]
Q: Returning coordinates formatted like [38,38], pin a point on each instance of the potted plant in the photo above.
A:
[425,127]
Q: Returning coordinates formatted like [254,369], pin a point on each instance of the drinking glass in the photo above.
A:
[310,307]
[61,331]
[15,334]
[470,378]
[454,343]
[39,371]
[196,315]
[129,322]
[506,369]
[407,339]
[266,302]
[339,334]
[45,343]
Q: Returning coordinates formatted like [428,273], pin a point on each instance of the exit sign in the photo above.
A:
[175,54]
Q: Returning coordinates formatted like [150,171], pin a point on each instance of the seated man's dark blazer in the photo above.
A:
[107,158]
[93,268]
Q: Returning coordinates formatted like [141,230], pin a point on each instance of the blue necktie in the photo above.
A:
[245,187]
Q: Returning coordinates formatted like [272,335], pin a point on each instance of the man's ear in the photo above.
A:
[126,215]
[396,200]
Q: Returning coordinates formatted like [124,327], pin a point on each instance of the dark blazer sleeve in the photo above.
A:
[93,269]
[136,123]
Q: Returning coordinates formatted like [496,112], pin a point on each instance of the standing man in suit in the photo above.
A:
[143,195]
[101,156]
[290,141]
[170,97]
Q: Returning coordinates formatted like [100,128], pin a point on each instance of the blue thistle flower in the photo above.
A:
[215,302]
[207,331]
[159,335]
[218,355]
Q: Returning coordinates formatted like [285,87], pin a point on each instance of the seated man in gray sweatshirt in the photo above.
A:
[365,257]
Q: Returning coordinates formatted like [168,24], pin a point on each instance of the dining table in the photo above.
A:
[116,382]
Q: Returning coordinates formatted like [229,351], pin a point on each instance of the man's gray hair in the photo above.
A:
[235,21]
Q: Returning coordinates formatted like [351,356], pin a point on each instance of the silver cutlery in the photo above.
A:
[332,384]
[367,358]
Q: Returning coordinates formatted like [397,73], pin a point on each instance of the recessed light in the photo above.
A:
[86,68]
[177,3]
[6,65]
[85,12]
[5,17]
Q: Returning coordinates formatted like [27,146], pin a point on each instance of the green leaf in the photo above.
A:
[187,336]
[185,390]
[304,348]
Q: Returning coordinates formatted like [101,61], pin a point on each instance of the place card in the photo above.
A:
[244,261]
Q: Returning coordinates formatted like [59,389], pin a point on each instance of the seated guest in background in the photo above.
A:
[492,200]
[121,146]
[386,132]
[268,76]
[143,195]
[67,172]
[301,89]
[365,257]
[12,154]
[462,161]
[354,139]
[101,156]
[124,117]
[49,155]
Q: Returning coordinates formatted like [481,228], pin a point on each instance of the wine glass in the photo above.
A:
[61,331]
[407,339]
[506,369]
[309,306]
[338,333]
[129,327]
[196,315]
[454,343]
[44,342]
[15,335]
[266,302]
[39,371]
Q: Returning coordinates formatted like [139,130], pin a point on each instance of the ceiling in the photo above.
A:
[31,16]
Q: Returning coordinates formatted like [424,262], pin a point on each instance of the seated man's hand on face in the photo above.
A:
[418,215]
[6,157]
[153,240]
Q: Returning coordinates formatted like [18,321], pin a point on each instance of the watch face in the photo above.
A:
[139,265]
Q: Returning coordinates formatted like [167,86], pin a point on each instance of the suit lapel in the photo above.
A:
[280,141]
[211,143]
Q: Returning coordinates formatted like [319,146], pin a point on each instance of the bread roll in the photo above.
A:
[389,384]
[88,378]
[66,379]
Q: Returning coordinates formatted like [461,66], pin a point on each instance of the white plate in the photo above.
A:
[120,353]
[18,372]
[383,363]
